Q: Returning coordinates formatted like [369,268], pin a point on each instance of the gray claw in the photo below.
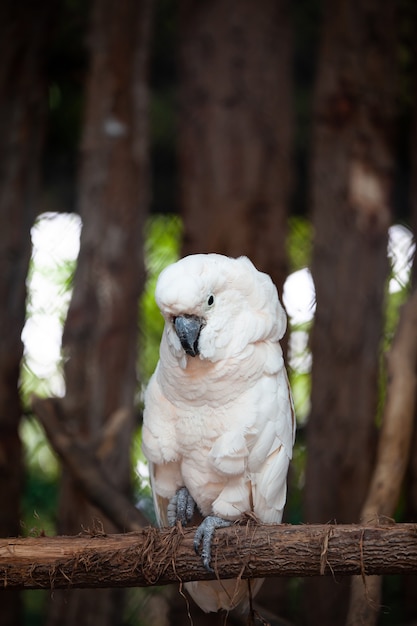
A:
[204,535]
[181,507]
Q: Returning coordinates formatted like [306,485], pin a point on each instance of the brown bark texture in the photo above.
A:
[393,451]
[410,489]
[236,129]
[351,180]
[24,31]
[159,557]
[100,332]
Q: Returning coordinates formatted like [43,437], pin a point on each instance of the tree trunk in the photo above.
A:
[410,583]
[236,129]
[351,177]
[235,139]
[100,333]
[24,30]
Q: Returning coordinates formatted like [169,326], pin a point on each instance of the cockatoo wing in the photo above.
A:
[272,451]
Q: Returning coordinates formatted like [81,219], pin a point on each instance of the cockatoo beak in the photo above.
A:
[188,328]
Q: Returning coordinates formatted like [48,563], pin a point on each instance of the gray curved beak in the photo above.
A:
[188,328]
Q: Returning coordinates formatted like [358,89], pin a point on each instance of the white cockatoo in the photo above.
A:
[218,428]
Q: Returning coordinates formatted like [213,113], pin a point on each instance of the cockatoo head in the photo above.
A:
[214,306]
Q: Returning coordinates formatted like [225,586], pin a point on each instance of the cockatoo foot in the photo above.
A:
[204,536]
[181,507]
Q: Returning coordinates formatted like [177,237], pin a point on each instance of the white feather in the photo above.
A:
[221,423]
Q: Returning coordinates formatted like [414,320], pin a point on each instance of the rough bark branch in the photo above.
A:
[159,557]
[83,461]
[393,451]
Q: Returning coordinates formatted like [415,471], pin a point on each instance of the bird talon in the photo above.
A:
[181,507]
[207,566]
[204,536]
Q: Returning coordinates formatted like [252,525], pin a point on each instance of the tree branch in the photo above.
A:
[393,451]
[159,557]
[83,461]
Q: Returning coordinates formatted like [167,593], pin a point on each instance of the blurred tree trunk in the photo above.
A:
[100,334]
[410,582]
[235,142]
[236,129]
[351,182]
[24,29]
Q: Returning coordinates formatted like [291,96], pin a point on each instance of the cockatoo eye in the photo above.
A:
[210,300]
